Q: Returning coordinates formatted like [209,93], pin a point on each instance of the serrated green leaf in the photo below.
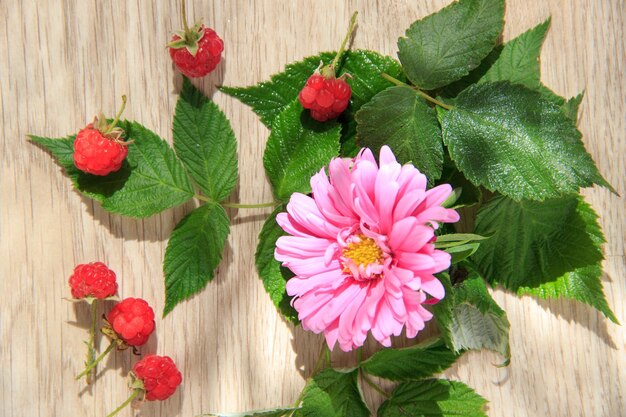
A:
[470,194]
[268,99]
[205,143]
[534,242]
[297,148]
[274,277]
[398,117]
[469,318]
[433,398]
[412,363]
[333,393]
[274,412]
[510,139]
[447,45]
[582,284]
[193,253]
[570,107]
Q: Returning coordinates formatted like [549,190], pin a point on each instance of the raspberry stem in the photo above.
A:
[117,116]
[91,349]
[92,365]
[335,62]
[184,16]
[417,90]
[129,400]
[237,205]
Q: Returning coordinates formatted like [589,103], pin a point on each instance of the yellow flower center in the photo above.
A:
[363,252]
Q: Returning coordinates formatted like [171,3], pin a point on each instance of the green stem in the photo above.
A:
[417,90]
[374,385]
[249,206]
[184,15]
[117,116]
[335,62]
[91,348]
[94,363]
[125,403]
[324,357]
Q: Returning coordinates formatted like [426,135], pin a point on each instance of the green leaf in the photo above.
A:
[297,148]
[462,252]
[93,186]
[534,242]
[333,393]
[582,284]
[433,398]
[510,139]
[205,142]
[469,193]
[518,61]
[445,46]
[469,318]
[151,179]
[274,277]
[570,107]
[269,99]
[411,363]
[398,117]
[274,412]
[193,253]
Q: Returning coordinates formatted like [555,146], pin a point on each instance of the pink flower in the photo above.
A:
[362,249]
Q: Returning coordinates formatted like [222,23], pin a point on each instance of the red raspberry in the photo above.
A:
[159,375]
[196,54]
[132,320]
[327,98]
[93,280]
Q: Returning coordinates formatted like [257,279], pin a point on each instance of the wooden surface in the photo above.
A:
[63,61]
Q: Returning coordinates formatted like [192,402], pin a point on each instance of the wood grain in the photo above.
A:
[62,61]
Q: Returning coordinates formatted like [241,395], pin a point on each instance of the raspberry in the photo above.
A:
[93,280]
[326,97]
[132,320]
[159,375]
[98,149]
[197,52]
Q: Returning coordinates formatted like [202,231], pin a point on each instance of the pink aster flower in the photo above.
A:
[362,249]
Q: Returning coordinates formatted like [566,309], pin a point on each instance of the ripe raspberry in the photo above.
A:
[159,375]
[93,280]
[326,97]
[132,320]
[98,149]
[197,51]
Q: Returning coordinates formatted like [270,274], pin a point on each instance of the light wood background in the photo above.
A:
[63,61]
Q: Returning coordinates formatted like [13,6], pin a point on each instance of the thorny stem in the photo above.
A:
[417,90]
[184,16]
[95,363]
[117,116]
[335,62]
[125,403]
[91,349]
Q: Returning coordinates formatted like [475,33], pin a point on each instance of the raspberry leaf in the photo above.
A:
[582,284]
[411,363]
[433,397]
[333,393]
[469,318]
[445,46]
[297,148]
[157,179]
[512,140]
[193,253]
[273,275]
[205,143]
[268,99]
[398,117]
[533,242]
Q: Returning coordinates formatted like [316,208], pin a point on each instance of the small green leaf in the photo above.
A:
[447,45]
[433,398]
[461,252]
[398,117]
[297,148]
[193,253]
[268,99]
[273,412]
[405,364]
[469,318]
[582,284]
[534,242]
[333,393]
[205,143]
[510,139]
[274,277]
[470,194]
[570,107]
